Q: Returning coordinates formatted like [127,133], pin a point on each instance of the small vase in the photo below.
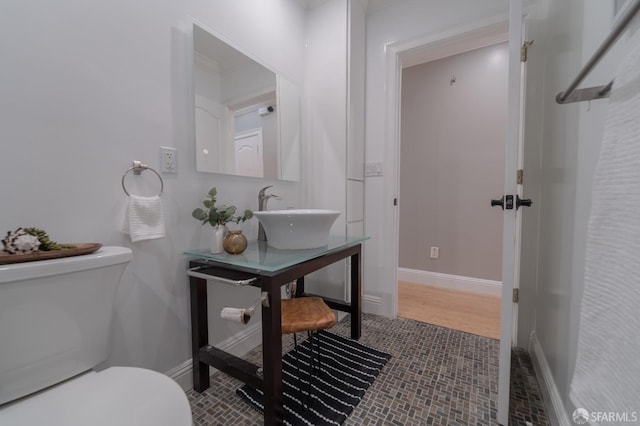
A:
[235,242]
[217,239]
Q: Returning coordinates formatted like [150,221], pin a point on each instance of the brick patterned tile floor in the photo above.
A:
[436,376]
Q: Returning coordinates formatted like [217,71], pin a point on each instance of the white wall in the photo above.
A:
[405,21]
[563,143]
[356,118]
[326,94]
[87,88]
[334,84]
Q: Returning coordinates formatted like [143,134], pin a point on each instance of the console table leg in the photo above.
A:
[356,295]
[272,355]
[199,332]
[299,287]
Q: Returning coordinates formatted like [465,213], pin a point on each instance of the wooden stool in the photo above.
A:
[306,314]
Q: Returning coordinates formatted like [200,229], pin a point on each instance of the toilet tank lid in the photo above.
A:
[105,256]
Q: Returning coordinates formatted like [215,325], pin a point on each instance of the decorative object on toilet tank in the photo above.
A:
[19,241]
[29,240]
[46,243]
[31,244]
[218,217]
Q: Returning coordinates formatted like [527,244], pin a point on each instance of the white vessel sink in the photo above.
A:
[298,228]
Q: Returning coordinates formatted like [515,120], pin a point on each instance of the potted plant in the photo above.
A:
[218,217]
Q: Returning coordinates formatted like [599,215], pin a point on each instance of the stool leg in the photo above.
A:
[317,364]
[319,356]
[310,335]
[297,357]
[313,361]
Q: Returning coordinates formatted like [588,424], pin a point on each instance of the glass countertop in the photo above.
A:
[260,256]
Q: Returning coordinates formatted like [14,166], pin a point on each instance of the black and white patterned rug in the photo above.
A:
[348,369]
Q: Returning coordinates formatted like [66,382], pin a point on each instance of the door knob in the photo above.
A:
[522,202]
[506,202]
[499,202]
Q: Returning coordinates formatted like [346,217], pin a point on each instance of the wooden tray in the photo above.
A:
[77,250]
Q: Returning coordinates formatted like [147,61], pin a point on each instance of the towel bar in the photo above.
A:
[572,93]
[137,168]
[193,272]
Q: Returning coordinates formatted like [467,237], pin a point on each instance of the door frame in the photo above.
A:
[437,46]
[442,44]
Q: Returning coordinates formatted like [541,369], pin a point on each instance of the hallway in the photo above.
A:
[469,312]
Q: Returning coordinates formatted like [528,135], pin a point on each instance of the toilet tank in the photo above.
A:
[55,318]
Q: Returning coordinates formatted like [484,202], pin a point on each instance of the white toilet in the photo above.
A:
[55,318]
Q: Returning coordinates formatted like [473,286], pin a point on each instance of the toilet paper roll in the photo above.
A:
[235,315]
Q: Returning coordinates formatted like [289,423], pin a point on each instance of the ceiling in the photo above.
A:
[370,5]
[216,50]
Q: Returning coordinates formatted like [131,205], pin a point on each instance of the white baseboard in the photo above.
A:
[371,304]
[341,315]
[451,282]
[239,345]
[183,375]
[552,400]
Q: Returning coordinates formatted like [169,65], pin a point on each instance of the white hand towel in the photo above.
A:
[145,219]
[607,372]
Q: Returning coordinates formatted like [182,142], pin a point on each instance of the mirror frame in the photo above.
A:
[287,116]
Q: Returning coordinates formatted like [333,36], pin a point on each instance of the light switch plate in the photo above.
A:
[373,169]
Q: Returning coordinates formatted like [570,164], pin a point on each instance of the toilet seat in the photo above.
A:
[123,396]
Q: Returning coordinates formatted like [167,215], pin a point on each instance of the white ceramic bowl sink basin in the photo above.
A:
[296,229]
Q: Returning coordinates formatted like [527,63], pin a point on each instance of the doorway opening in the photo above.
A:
[432,47]
[452,155]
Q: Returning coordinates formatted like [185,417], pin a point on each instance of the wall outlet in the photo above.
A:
[435,252]
[168,159]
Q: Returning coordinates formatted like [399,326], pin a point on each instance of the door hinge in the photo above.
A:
[524,50]
[395,201]
[516,295]
[519,177]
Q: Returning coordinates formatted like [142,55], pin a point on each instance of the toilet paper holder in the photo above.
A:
[243,316]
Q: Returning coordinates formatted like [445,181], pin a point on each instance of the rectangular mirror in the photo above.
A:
[247,117]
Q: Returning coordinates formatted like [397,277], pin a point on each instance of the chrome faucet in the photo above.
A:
[262,206]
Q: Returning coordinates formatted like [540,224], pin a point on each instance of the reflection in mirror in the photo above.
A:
[247,118]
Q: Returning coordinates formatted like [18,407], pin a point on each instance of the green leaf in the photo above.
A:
[200,214]
[218,215]
[225,216]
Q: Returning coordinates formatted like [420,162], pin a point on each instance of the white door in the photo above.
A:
[510,242]
[211,136]
[248,153]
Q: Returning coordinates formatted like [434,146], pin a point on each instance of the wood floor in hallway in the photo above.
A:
[473,313]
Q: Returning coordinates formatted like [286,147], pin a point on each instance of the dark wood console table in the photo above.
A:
[267,268]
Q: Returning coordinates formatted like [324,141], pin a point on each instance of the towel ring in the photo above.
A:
[137,168]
